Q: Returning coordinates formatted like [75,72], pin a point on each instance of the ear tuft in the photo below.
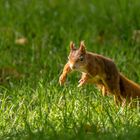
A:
[82,47]
[72,45]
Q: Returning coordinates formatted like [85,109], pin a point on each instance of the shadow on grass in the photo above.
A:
[129,134]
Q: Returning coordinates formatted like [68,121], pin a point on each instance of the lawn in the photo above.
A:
[34,45]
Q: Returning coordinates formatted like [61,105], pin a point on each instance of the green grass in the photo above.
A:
[32,104]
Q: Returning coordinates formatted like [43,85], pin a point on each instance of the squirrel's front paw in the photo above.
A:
[62,79]
[81,82]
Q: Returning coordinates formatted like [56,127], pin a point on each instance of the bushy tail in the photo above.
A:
[128,88]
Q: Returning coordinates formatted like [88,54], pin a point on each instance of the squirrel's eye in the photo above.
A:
[81,58]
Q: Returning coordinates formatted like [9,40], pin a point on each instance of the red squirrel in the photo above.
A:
[102,71]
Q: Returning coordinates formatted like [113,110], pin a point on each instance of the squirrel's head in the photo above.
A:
[77,57]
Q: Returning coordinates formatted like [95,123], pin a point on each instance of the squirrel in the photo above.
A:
[101,71]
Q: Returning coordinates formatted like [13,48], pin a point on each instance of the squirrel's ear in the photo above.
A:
[82,47]
[72,45]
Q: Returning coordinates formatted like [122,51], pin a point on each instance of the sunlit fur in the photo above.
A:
[102,71]
[75,61]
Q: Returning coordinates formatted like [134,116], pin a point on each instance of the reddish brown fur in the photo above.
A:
[101,71]
[128,88]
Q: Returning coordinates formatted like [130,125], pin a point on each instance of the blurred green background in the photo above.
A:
[34,45]
[49,25]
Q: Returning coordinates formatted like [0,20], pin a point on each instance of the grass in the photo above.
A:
[32,104]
